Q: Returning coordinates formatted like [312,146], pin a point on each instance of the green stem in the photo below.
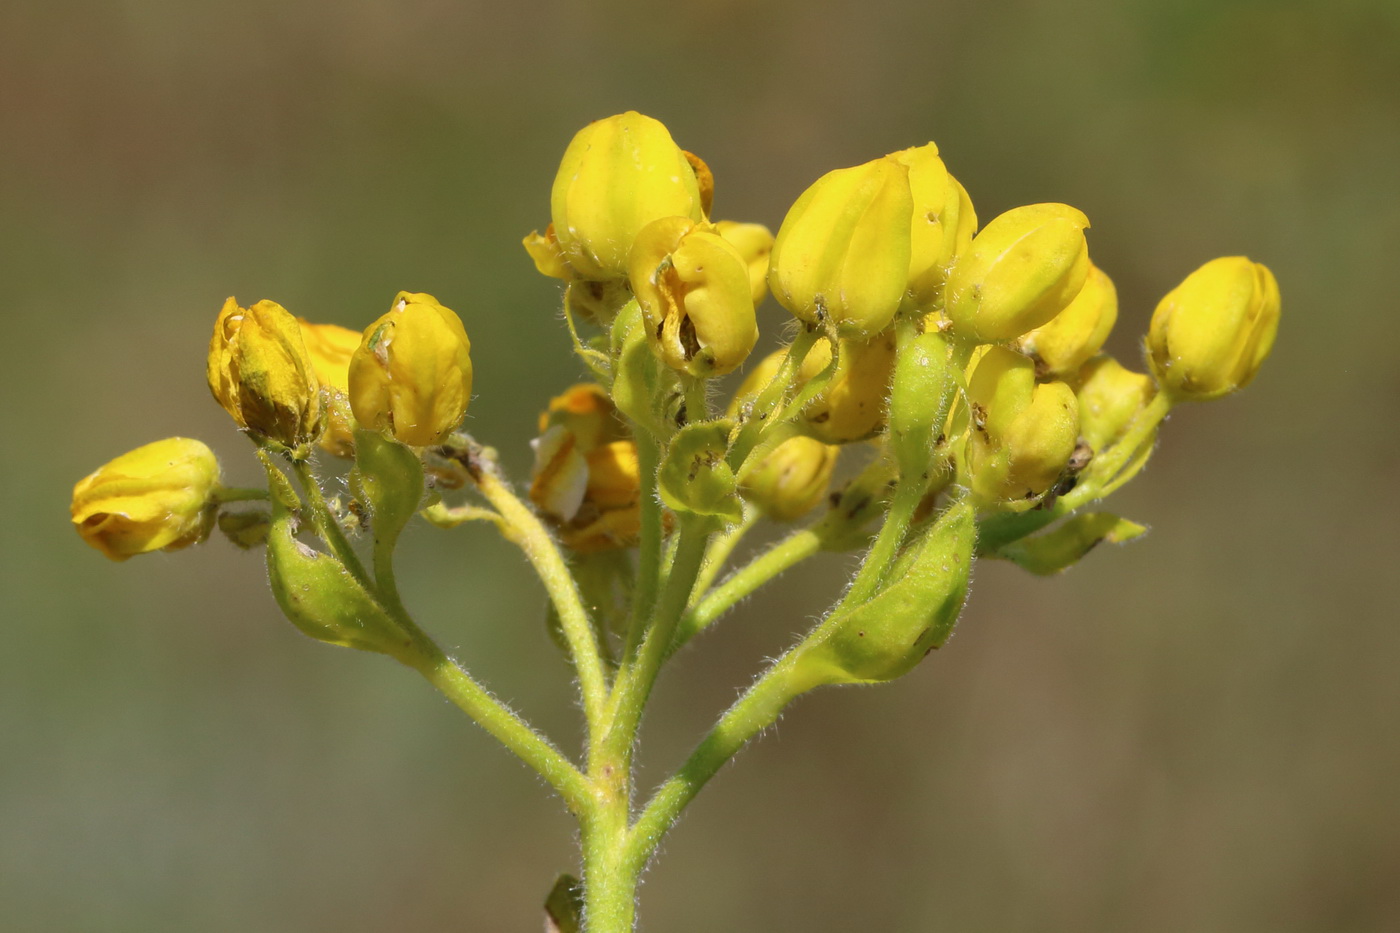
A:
[513,732]
[877,561]
[526,530]
[757,709]
[328,528]
[721,546]
[768,399]
[784,554]
[649,543]
[609,881]
[637,676]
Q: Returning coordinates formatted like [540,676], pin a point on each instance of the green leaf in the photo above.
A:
[695,477]
[887,636]
[317,594]
[388,479]
[640,383]
[1057,549]
[563,909]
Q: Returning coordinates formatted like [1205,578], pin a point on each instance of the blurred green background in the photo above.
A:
[1195,732]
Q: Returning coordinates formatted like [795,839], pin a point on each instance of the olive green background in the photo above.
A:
[1194,732]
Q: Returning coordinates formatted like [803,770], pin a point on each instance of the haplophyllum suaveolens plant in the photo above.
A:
[959,367]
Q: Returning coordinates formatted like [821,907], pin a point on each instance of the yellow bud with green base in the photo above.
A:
[1022,433]
[1076,333]
[852,405]
[260,372]
[1025,267]
[1212,332]
[842,255]
[158,497]
[1110,397]
[885,638]
[617,176]
[789,482]
[412,373]
[694,290]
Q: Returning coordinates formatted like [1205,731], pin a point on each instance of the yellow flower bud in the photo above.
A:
[941,227]
[1022,433]
[755,243]
[1110,397]
[693,287]
[1076,333]
[259,370]
[1211,333]
[412,373]
[156,497]
[842,254]
[852,406]
[791,480]
[1024,268]
[330,348]
[617,176]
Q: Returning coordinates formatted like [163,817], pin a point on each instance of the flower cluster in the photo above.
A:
[956,369]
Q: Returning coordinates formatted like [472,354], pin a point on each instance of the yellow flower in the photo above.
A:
[330,348]
[1024,268]
[842,254]
[617,176]
[156,497]
[1022,433]
[1212,332]
[694,291]
[545,253]
[755,243]
[412,373]
[259,370]
[586,476]
[1078,332]
[852,406]
[790,481]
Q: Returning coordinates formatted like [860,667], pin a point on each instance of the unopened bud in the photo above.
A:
[790,481]
[330,348]
[157,497]
[1076,333]
[921,394]
[1212,332]
[617,176]
[259,371]
[842,254]
[1024,268]
[1110,397]
[852,406]
[1022,434]
[755,243]
[412,373]
[693,286]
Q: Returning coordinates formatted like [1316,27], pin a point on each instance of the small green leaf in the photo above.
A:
[388,479]
[319,596]
[1057,549]
[695,477]
[563,909]
[887,636]
[640,383]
